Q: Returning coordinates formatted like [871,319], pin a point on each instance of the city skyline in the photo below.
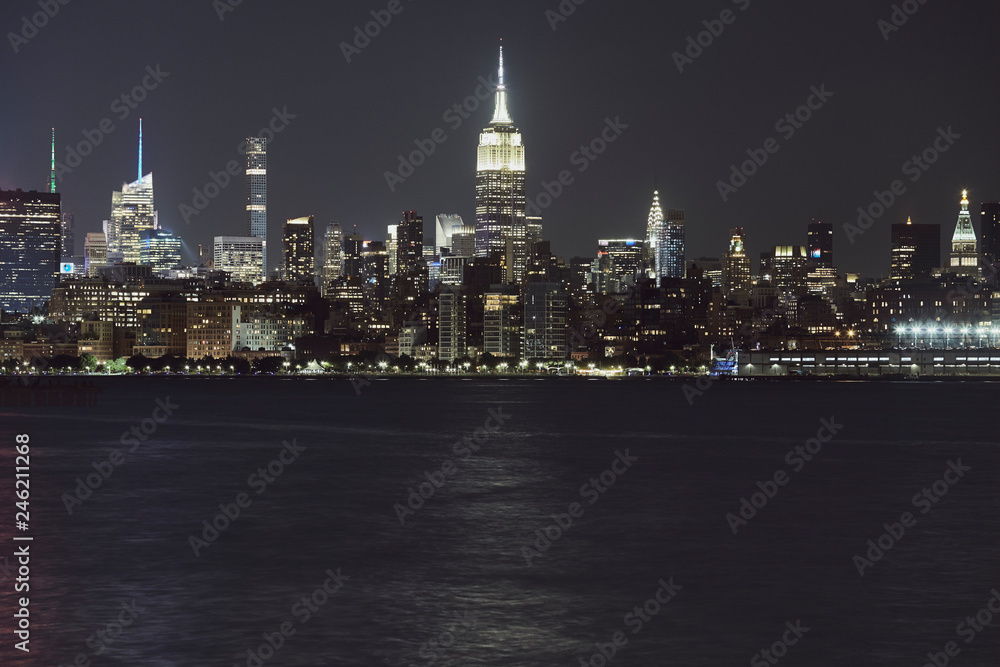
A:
[608,200]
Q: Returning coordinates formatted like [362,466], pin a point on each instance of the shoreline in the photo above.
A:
[28,380]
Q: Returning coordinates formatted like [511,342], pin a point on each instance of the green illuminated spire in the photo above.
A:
[52,178]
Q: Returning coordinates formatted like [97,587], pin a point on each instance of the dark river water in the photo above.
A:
[405,522]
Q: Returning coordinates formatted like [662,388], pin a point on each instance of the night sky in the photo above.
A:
[606,60]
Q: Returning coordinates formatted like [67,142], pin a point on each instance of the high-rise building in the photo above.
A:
[916,250]
[30,248]
[736,277]
[964,258]
[502,321]
[709,268]
[618,262]
[445,226]
[533,227]
[68,234]
[375,274]
[95,253]
[353,263]
[256,173]
[544,329]
[240,257]
[463,242]
[333,255]
[159,249]
[299,257]
[501,226]
[392,247]
[132,213]
[786,267]
[820,243]
[670,246]
[654,227]
[409,243]
[989,227]
[451,327]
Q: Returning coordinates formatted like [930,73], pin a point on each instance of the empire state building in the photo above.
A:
[501,227]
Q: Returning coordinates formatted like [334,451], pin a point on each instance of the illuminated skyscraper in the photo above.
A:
[95,252]
[545,310]
[257,193]
[736,266]
[409,242]
[452,325]
[618,262]
[916,250]
[446,225]
[29,248]
[654,227]
[333,253]
[964,259]
[821,243]
[786,266]
[132,213]
[159,249]
[68,234]
[670,246]
[240,257]
[299,251]
[501,226]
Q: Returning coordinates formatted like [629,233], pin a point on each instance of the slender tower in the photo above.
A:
[654,225]
[140,150]
[52,173]
[132,213]
[964,260]
[501,225]
[256,172]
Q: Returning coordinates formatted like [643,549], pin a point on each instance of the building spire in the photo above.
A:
[140,149]
[52,174]
[501,61]
[500,115]
[964,231]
